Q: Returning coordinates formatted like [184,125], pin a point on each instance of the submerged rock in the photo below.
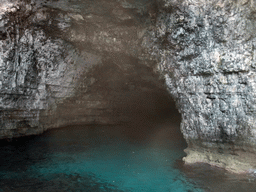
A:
[207,54]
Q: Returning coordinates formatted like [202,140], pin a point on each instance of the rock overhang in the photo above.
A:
[66,63]
[204,49]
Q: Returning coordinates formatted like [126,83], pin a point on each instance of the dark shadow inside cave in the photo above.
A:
[123,88]
[137,98]
[118,118]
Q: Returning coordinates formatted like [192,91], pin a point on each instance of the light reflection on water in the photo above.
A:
[109,158]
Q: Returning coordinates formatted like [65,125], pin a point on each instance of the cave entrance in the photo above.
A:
[151,113]
[136,97]
[122,89]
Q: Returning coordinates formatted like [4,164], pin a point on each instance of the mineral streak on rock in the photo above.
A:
[207,54]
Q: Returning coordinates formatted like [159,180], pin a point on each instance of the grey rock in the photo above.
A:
[72,62]
[64,63]
[206,53]
[35,68]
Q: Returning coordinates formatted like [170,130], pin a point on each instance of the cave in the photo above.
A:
[127,95]
[73,63]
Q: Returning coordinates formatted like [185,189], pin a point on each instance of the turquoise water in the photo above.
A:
[95,158]
[110,159]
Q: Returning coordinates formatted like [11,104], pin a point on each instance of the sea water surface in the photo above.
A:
[109,158]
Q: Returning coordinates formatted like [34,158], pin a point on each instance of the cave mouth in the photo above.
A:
[123,91]
[152,114]
[122,86]
[138,99]
[118,129]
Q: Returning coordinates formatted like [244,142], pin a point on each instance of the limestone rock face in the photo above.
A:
[68,62]
[74,62]
[207,53]
[37,69]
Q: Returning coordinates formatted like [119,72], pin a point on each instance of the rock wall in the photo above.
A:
[74,62]
[207,52]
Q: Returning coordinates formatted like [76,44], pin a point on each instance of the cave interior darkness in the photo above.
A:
[137,95]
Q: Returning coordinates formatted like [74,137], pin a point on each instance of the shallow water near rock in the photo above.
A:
[109,158]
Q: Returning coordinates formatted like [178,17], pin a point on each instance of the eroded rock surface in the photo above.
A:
[68,62]
[207,53]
